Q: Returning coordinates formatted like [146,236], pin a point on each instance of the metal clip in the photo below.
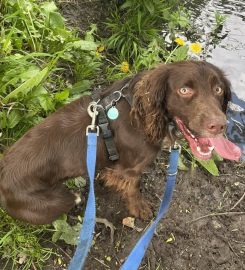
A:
[92,111]
[175,146]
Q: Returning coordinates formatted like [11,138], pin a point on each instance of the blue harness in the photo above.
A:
[86,234]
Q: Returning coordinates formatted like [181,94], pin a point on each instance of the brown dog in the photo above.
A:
[33,170]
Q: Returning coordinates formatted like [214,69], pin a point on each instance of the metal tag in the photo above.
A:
[113,113]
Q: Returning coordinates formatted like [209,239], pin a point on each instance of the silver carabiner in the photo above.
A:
[92,112]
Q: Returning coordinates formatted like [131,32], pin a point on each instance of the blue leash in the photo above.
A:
[87,230]
[86,234]
[135,257]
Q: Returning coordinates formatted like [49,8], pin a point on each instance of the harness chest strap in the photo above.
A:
[103,121]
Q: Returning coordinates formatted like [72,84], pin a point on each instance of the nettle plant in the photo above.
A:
[42,66]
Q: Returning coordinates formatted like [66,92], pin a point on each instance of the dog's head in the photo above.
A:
[193,94]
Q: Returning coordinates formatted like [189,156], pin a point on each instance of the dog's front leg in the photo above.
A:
[127,182]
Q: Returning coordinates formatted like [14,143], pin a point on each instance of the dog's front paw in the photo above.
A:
[140,208]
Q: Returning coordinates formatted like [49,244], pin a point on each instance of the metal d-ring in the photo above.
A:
[121,90]
[117,99]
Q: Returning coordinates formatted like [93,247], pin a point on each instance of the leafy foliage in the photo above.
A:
[136,23]
[40,60]
[66,232]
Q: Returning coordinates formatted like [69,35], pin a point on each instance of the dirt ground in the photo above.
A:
[205,233]
[203,229]
[205,225]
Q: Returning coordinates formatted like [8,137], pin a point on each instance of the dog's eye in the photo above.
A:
[185,91]
[218,90]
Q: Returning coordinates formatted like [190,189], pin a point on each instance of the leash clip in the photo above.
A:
[176,146]
[92,112]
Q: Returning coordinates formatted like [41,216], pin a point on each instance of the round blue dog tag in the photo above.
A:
[113,113]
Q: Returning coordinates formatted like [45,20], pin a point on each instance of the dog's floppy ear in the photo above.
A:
[149,109]
[227,85]
[227,93]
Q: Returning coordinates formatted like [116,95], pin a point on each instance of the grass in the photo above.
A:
[20,244]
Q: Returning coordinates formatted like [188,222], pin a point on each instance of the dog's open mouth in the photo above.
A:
[203,147]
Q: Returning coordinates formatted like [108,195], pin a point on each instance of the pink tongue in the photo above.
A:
[225,148]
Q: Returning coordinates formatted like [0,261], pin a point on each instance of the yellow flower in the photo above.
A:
[180,41]
[101,48]
[196,47]
[124,67]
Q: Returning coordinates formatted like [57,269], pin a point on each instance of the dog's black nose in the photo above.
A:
[216,125]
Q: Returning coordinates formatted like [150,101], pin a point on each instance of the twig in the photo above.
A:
[107,224]
[102,263]
[61,249]
[229,174]
[217,214]
[238,201]
[232,249]
[33,265]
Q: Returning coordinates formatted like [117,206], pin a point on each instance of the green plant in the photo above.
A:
[219,21]
[136,23]
[64,231]
[40,61]
[20,244]
[208,165]
[150,56]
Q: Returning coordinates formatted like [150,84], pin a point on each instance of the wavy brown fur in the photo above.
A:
[34,169]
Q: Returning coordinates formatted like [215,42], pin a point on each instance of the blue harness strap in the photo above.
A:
[135,257]
[87,230]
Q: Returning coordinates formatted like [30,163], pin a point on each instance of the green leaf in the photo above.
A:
[80,182]
[25,87]
[62,95]
[81,87]
[216,157]
[181,164]
[56,20]
[180,53]
[46,103]
[83,45]
[3,120]
[13,119]
[149,6]
[38,91]
[63,231]
[48,7]
[127,4]
[210,166]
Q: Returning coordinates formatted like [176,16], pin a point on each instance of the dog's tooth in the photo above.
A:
[211,148]
[204,153]
[192,136]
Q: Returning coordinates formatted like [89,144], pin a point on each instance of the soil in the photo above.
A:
[204,227]
[215,241]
